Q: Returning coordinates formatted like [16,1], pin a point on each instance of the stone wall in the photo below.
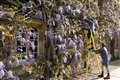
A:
[117,44]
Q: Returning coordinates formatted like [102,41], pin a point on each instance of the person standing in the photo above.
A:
[105,62]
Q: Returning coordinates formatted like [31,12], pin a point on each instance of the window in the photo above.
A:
[27,41]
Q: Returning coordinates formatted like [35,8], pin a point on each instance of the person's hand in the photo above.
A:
[91,48]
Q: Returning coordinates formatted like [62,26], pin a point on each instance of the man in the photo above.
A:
[91,24]
[104,57]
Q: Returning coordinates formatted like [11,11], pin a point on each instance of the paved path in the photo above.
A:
[114,70]
[115,75]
